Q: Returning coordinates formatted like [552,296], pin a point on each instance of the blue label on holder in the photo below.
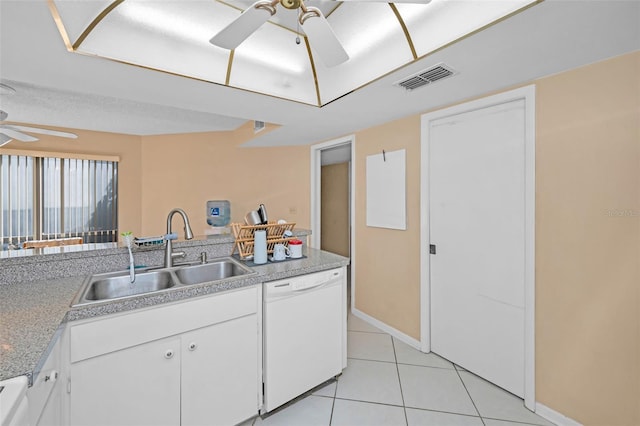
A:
[214,211]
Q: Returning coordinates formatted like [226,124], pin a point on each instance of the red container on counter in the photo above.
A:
[295,248]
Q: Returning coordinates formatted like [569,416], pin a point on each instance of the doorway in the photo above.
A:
[477,212]
[332,197]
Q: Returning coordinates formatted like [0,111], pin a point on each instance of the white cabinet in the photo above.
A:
[219,372]
[133,386]
[52,412]
[190,363]
[45,407]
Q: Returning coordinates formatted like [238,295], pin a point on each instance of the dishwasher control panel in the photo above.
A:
[303,282]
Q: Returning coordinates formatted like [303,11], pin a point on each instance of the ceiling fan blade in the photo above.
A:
[322,38]
[14,134]
[4,139]
[42,131]
[244,25]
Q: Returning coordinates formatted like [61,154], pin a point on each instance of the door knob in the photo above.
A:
[168,354]
[193,346]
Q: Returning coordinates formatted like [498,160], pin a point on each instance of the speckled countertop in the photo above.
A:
[33,315]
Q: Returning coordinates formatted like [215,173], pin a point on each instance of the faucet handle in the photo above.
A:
[179,254]
[203,257]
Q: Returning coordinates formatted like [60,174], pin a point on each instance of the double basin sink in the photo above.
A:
[118,285]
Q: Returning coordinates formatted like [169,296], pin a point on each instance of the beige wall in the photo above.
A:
[387,261]
[335,218]
[187,170]
[587,273]
[587,257]
[127,147]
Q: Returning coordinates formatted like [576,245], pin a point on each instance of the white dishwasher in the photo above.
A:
[304,334]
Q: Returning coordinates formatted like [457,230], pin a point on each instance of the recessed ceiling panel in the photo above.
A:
[441,22]
[271,62]
[79,14]
[375,42]
[174,36]
[164,35]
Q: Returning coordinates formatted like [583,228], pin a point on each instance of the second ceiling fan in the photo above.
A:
[313,22]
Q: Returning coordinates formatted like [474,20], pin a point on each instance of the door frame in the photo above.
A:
[527,94]
[316,167]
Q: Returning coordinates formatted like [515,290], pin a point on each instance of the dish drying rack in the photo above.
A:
[244,235]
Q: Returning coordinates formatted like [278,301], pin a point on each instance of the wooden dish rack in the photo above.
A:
[244,235]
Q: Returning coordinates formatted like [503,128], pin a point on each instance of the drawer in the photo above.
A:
[121,331]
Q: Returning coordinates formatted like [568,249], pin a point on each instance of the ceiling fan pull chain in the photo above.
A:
[298,29]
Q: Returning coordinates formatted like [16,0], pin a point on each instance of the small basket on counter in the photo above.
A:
[244,235]
[149,242]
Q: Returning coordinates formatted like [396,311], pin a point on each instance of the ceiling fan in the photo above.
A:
[311,19]
[8,132]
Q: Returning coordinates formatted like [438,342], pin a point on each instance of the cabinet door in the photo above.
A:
[52,412]
[44,395]
[135,386]
[220,373]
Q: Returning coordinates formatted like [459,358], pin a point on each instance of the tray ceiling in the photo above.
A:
[173,36]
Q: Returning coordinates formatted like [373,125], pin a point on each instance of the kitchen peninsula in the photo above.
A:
[36,293]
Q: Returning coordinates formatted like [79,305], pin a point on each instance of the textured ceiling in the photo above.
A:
[46,106]
[77,91]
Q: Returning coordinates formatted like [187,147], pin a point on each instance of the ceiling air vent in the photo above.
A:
[422,78]
[257,126]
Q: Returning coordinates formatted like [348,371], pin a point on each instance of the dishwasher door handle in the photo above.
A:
[315,286]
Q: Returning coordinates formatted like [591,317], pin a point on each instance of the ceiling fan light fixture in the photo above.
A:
[291,4]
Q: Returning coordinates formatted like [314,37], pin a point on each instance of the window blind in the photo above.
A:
[49,197]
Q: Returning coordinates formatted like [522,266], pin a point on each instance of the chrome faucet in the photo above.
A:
[169,254]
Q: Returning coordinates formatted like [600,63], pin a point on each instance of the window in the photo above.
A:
[53,197]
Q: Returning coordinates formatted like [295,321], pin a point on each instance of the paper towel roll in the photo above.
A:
[260,247]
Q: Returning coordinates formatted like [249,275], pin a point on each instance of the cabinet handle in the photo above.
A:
[193,346]
[168,354]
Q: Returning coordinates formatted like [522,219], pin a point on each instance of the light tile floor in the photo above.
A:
[387,382]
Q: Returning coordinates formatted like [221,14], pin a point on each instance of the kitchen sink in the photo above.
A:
[216,270]
[118,285]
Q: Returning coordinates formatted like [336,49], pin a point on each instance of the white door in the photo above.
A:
[477,224]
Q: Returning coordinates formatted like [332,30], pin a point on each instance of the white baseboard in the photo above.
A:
[386,328]
[554,417]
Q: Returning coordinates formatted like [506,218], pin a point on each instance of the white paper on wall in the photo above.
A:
[386,190]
